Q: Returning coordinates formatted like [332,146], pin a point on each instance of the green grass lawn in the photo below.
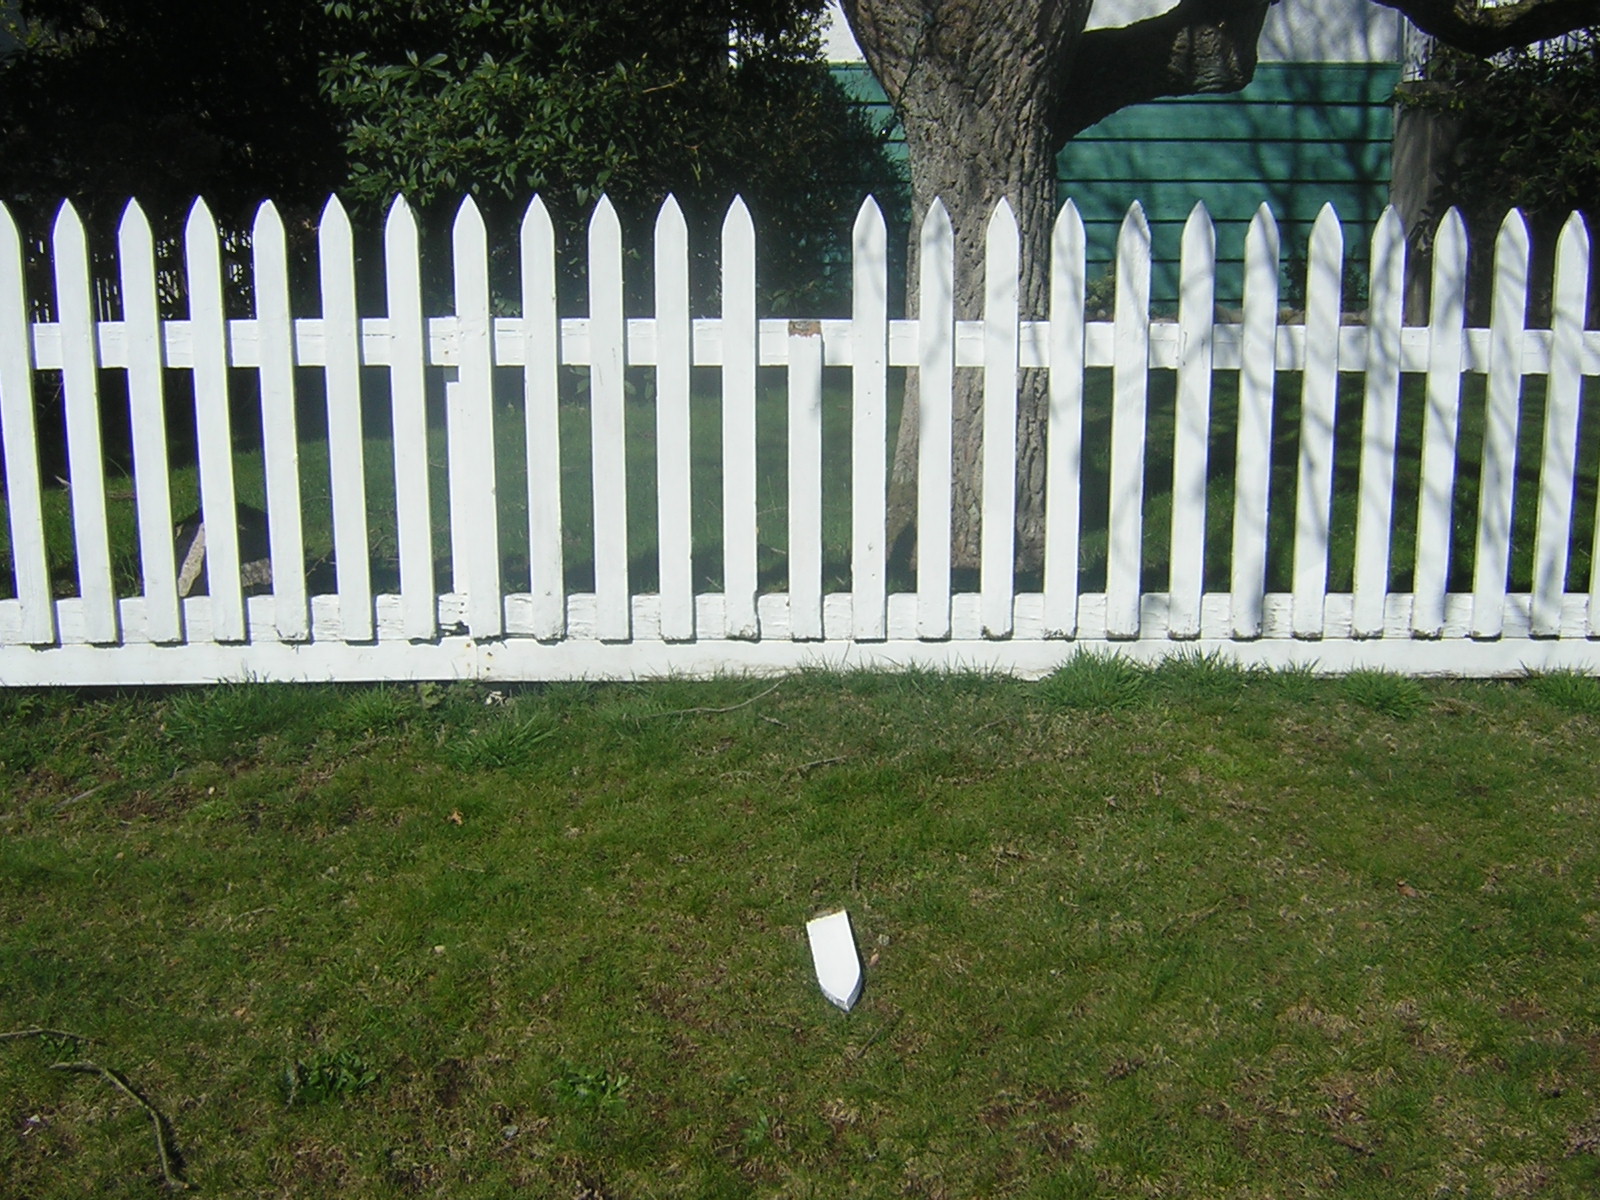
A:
[1186,933]
[772,499]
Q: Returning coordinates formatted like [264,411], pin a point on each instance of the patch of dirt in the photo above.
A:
[450,1079]
[1524,1009]
[1584,1138]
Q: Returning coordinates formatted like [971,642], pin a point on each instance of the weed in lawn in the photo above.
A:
[1097,682]
[502,744]
[1570,691]
[327,1075]
[1385,693]
[224,723]
[375,710]
[1191,677]
[593,1088]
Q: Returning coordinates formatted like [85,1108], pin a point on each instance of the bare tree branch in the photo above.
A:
[1480,29]
[1198,47]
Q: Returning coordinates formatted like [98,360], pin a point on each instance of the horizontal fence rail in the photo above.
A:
[1366,372]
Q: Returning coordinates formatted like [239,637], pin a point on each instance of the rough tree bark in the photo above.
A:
[988,93]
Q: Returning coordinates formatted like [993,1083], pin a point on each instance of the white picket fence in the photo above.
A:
[479,630]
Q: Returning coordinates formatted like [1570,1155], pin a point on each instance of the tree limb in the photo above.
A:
[1201,46]
[1484,30]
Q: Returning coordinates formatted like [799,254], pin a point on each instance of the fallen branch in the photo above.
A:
[694,712]
[806,768]
[157,1121]
[37,1032]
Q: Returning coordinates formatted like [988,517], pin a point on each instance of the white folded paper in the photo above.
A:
[833,950]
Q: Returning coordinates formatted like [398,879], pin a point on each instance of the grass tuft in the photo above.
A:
[1191,676]
[1570,691]
[1385,692]
[1096,683]
[504,743]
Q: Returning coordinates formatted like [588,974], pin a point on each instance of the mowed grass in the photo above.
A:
[1189,932]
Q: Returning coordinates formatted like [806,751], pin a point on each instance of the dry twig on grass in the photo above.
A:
[157,1121]
[696,712]
[169,1171]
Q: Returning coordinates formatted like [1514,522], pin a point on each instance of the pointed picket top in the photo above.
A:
[1198,224]
[869,220]
[1068,228]
[134,223]
[67,219]
[1513,235]
[1263,230]
[1327,233]
[268,223]
[536,222]
[1003,218]
[834,955]
[469,220]
[1574,238]
[68,237]
[1134,223]
[401,216]
[1388,236]
[9,238]
[936,225]
[738,221]
[670,218]
[200,221]
[334,215]
[604,220]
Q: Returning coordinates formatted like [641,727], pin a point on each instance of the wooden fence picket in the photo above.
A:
[148,426]
[1497,479]
[1319,395]
[85,462]
[869,291]
[739,358]
[1253,460]
[1380,426]
[1130,379]
[280,440]
[1446,364]
[341,339]
[214,426]
[469,430]
[608,425]
[1192,423]
[541,327]
[936,365]
[1063,441]
[1001,357]
[408,403]
[805,482]
[18,442]
[1558,467]
[674,357]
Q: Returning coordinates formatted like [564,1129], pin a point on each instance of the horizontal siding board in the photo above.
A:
[1245,122]
[1173,200]
[1211,161]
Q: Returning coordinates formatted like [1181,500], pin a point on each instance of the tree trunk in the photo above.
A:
[975,87]
[987,95]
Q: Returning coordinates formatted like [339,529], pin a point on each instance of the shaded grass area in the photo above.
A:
[772,514]
[1185,932]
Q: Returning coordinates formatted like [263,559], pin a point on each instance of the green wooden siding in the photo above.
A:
[1301,135]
